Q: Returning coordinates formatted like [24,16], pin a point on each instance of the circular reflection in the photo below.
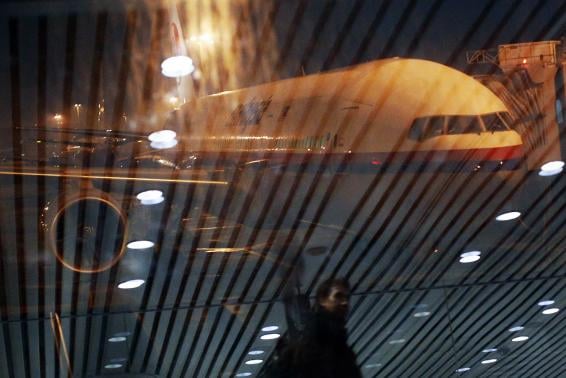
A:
[550,311]
[546,302]
[244,374]
[88,234]
[462,370]
[489,350]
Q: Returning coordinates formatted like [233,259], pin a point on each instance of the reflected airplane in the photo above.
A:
[302,151]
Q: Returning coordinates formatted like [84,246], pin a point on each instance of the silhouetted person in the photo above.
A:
[316,341]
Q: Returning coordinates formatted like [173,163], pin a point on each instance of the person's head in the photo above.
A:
[333,296]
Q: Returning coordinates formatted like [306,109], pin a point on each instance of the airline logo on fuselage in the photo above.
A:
[249,113]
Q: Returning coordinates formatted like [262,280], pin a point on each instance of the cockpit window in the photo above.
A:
[495,122]
[463,125]
[430,127]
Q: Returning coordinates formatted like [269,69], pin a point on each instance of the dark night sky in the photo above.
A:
[437,30]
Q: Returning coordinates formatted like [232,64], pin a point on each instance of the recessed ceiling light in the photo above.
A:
[489,350]
[255,352]
[163,145]
[372,366]
[516,329]
[253,362]
[140,244]
[244,374]
[550,173]
[113,366]
[270,336]
[520,338]
[125,333]
[508,216]
[546,302]
[270,328]
[117,339]
[461,370]
[550,311]
[177,66]
[471,253]
[422,314]
[118,359]
[150,197]
[162,136]
[552,165]
[397,341]
[131,284]
[490,361]
[469,259]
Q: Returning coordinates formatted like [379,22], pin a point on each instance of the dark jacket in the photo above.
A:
[318,348]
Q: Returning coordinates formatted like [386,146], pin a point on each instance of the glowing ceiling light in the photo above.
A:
[131,284]
[489,350]
[550,173]
[552,165]
[253,362]
[490,361]
[163,145]
[255,352]
[270,328]
[398,341]
[177,66]
[372,366]
[117,339]
[140,244]
[150,197]
[270,336]
[162,136]
[470,257]
[508,216]
[546,302]
[550,311]
[520,338]
[113,366]
[422,314]
[516,329]
[244,374]
[462,370]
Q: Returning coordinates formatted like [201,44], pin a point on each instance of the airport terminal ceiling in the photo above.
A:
[174,173]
